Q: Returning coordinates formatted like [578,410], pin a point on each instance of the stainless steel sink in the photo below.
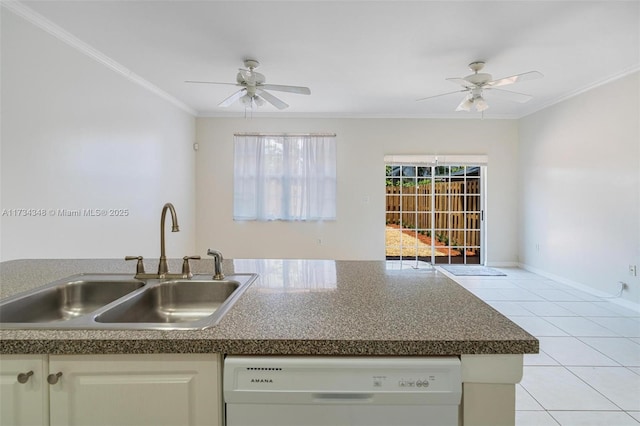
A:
[63,301]
[118,301]
[184,301]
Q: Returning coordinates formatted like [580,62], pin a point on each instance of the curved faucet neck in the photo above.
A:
[163,268]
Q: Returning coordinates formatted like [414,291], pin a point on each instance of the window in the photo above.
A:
[284,177]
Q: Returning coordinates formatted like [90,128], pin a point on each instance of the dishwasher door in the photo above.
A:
[334,391]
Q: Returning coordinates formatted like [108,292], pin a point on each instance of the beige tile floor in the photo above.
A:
[588,369]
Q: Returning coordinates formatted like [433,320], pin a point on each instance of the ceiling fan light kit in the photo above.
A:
[254,88]
[473,102]
[477,83]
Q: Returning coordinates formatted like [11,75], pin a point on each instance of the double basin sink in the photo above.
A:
[119,301]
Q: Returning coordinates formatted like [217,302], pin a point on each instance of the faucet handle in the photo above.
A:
[139,265]
[186,269]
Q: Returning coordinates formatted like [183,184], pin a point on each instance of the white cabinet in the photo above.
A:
[156,389]
[159,389]
[23,390]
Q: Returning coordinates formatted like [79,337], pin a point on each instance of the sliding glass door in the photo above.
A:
[434,213]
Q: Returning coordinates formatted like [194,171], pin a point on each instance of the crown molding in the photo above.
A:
[312,115]
[31,16]
[577,92]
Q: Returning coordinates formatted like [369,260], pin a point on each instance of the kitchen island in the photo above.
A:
[313,307]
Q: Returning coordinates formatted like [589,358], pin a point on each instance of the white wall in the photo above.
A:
[358,232]
[580,188]
[76,135]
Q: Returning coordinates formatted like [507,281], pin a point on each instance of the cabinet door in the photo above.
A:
[23,403]
[158,389]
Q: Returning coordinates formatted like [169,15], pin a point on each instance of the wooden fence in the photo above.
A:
[456,207]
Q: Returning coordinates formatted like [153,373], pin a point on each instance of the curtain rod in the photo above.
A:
[285,134]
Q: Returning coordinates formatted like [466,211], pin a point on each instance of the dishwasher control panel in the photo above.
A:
[363,379]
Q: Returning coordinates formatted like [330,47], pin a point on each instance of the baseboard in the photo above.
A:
[582,287]
[503,264]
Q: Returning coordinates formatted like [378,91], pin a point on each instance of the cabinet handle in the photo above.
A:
[52,379]
[24,377]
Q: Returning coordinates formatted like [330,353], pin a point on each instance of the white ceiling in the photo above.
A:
[360,58]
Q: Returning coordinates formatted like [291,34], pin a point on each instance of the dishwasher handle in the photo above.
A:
[342,397]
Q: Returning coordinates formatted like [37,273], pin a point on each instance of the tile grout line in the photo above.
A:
[578,338]
[603,395]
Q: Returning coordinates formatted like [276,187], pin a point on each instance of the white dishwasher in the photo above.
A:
[335,391]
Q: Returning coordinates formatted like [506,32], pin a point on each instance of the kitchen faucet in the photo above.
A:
[163,268]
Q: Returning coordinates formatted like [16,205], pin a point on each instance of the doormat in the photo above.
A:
[473,270]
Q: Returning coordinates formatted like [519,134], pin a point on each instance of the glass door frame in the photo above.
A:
[434,162]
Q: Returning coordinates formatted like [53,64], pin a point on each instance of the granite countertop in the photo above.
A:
[304,307]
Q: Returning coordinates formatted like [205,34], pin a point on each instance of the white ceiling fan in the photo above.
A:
[254,89]
[477,83]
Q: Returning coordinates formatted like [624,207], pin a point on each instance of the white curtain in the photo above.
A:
[284,177]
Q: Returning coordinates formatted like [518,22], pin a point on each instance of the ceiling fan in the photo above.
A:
[253,88]
[477,83]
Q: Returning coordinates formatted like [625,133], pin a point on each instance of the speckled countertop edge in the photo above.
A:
[243,331]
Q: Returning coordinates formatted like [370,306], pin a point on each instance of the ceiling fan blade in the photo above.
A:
[258,100]
[291,89]
[531,75]
[509,95]
[211,82]
[272,99]
[233,98]
[461,82]
[442,94]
